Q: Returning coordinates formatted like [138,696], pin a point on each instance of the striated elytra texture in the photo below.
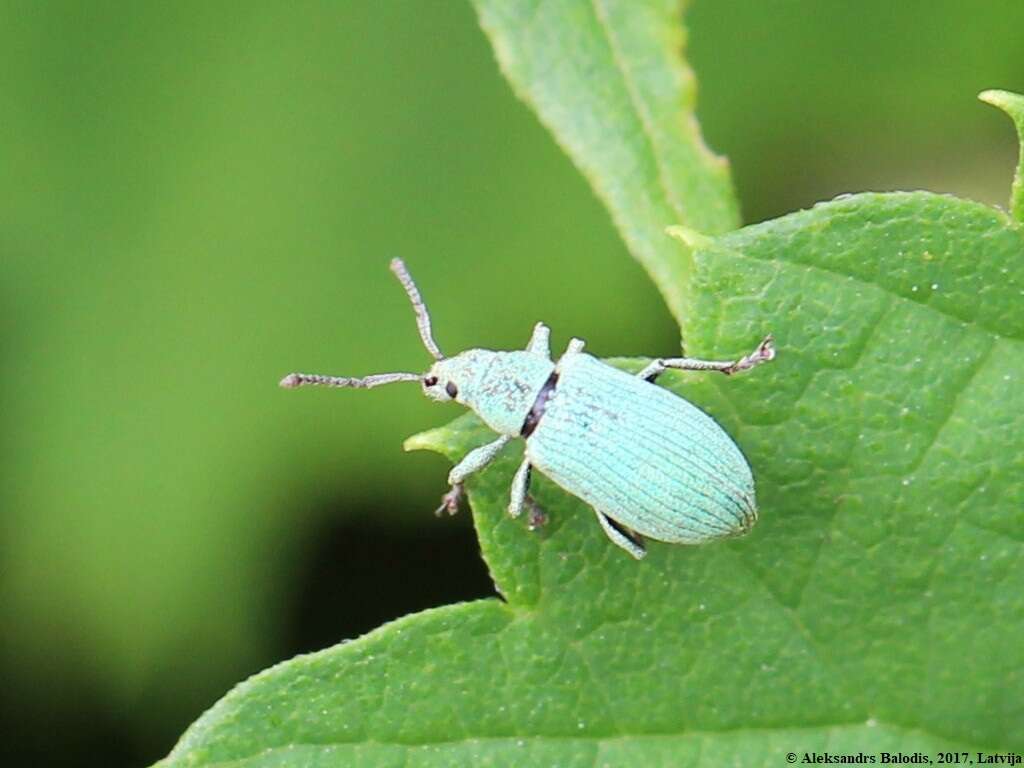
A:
[642,455]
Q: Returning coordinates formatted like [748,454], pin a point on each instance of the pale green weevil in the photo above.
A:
[647,461]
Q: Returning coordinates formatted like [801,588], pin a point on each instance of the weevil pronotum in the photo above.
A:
[647,461]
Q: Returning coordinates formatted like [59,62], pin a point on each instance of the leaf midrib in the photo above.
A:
[639,108]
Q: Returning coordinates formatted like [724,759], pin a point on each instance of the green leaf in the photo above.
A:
[606,77]
[180,177]
[1013,105]
[878,604]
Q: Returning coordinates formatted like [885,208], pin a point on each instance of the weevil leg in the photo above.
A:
[520,497]
[450,501]
[472,462]
[520,488]
[765,352]
[575,346]
[477,459]
[631,541]
[540,341]
[538,516]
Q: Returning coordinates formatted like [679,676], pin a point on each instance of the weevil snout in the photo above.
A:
[438,389]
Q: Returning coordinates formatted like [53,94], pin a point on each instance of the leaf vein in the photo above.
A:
[973,321]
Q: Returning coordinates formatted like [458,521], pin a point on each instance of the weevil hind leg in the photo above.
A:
[631,541]
[764,352]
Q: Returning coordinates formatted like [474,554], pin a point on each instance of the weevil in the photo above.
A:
[648,462]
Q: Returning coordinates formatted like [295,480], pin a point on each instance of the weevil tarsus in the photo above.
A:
[764,352]
[450,501]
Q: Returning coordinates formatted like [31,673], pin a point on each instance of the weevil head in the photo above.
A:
[501,387]
[448,379]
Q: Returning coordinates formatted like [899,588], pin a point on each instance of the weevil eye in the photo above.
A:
[451,389]
[429,381]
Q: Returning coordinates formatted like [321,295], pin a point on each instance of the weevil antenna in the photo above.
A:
[293,380]
[422,316]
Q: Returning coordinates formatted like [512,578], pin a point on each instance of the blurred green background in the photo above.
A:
[198,198]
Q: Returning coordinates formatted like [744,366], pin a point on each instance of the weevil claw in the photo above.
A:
[538,517]
[764,353]
[450,501]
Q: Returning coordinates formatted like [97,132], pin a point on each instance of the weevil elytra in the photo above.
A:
[648,462]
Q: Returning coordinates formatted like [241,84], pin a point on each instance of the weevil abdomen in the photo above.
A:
[641,455]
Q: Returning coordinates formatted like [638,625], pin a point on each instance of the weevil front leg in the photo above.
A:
[540,341]
[630,541]
[765,351]
[473,461]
